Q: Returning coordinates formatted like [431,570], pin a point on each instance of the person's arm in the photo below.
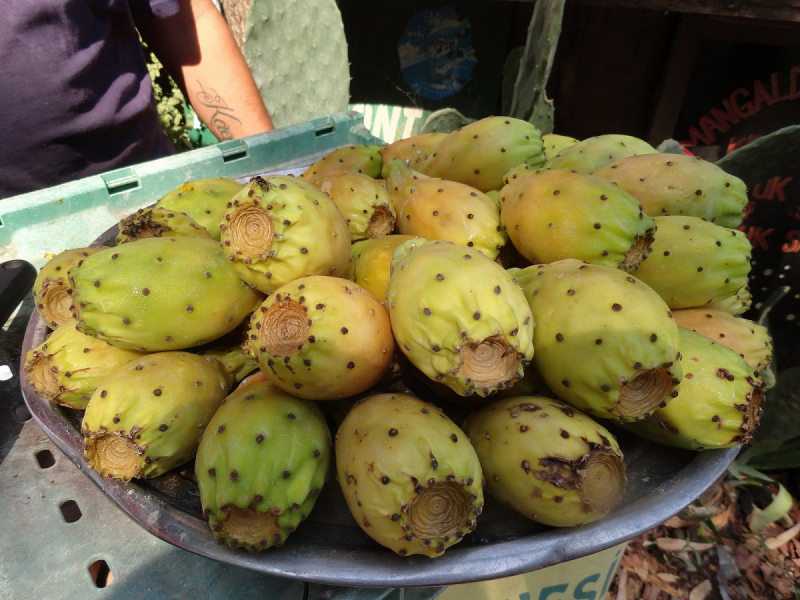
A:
[200,53]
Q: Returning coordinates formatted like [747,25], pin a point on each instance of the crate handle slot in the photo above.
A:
[325,130]
[233,150]
[121,180]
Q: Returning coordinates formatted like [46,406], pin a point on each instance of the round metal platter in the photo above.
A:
[330,547]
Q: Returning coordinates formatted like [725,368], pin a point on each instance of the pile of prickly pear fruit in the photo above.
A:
[446,316]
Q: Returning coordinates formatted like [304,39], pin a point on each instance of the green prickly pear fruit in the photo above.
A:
[738,304]
[438,209]
[410,476]
[322,338]
[748,339]
[719,405]
[554,143]
[160,294]
[372,262]
[676,184]
[362,200]
[553,215]
[594,153]
[236,364]
[620,328]
[204,200]
[695,262]
[360,158]
[494,196]
[459,317]
[413,150]
[146,417]
[261,464]
[68,366]
[52,290]
[547,460]
[481,153]
[158,222]
[279,228]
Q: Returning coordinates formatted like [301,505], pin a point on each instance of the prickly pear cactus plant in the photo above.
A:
[459,317]
[676,184]
[52,290]
[158,222]
[748,339]
[372,262]
[146,417]
[410,476]
[591,154]
[160,294]
[438,209]
[547,460]
[279,228]
[413,150]
[362,200]
[359,158]
[551,215]
[554,143]
[322,338]
[68,366]
[297,53]
[695,262]
[261,464]
[620,328]
[204,200]
[720,401]
[481,153]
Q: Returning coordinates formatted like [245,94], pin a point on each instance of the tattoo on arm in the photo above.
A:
[222,116]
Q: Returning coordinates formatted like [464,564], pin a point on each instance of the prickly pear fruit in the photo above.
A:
[204,200]
[738,304]
[322,338]
[160,294]
[52,290]
[719,405]
[410,476]
[279,228]
[531,384]
[695,262]
[620,328]
[413,150]
[459,317]
[481,153]
[372,261]
[438,209]
[749,340]
[676,184]
[236,364]
[261,464]
[594,153]
[360,158]
[362,200]
[158,222]
[146,417]
[547,460]
[554,143]
[552,215]
[68,366]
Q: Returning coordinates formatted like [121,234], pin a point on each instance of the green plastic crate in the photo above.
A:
[36,225]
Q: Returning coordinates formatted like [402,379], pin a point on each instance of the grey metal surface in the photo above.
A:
[330,548]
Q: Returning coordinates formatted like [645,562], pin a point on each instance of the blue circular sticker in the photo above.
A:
[436,53]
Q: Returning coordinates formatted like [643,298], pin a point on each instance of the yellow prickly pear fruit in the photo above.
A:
[158,222]
[372,262]
[204,200]
[413,150]
[360,158]
[410,476]
[719,405]
[749,340]
[554,143]
[547,460]
[594,153]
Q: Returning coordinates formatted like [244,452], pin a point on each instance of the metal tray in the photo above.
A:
[330,547]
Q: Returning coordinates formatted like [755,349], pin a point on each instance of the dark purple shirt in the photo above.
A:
[75,98]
